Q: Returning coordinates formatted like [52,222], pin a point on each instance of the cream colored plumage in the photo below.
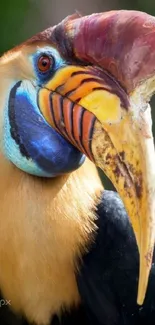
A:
[44,225]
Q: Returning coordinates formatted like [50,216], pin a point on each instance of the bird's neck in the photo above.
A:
[45,224]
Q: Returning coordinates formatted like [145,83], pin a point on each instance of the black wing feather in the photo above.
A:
[108,278]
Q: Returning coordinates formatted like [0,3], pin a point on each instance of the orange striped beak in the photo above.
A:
[68,118]
[59,102]
[90,109]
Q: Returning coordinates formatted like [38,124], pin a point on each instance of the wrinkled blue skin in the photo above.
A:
[48,154]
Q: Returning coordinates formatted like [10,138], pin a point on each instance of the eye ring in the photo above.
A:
[44,63]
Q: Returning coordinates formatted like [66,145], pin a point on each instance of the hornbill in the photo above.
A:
[74,96]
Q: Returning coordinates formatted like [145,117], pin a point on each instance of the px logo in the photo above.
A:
[4,302]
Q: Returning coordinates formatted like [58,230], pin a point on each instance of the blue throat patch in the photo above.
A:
[29,142]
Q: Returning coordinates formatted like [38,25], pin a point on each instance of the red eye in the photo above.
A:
[44,63]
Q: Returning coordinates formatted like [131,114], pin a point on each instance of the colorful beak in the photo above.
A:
[94,113]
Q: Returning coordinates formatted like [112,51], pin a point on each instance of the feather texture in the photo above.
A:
[45,224]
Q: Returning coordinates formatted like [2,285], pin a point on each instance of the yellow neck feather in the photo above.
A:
[44,226]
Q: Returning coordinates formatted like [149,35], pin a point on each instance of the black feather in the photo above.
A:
[108,278]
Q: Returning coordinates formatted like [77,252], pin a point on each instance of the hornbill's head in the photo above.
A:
[82,88]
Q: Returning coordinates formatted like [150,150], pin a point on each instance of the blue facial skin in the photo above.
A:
[29,142]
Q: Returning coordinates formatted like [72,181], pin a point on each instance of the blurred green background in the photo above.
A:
[20,19]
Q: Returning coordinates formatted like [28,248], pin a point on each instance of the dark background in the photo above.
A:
[21,19]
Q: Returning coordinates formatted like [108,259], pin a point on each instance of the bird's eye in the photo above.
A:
[44,63]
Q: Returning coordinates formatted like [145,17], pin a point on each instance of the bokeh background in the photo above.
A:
[21,19]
